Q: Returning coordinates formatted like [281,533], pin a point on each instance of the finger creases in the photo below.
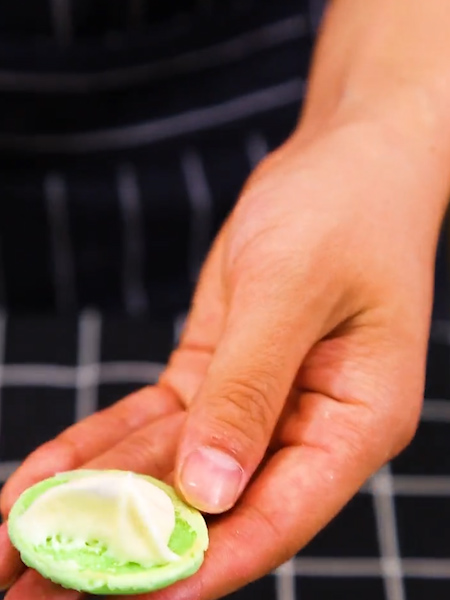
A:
[232,417]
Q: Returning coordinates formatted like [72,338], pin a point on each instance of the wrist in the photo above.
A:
[408,125]
[386,63]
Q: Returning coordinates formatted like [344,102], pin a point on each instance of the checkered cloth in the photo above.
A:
[120,160]
[392,541]
[124,142]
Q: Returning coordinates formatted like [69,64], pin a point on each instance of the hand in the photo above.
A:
[301,366]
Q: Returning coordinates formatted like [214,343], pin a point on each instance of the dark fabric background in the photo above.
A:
[126,134]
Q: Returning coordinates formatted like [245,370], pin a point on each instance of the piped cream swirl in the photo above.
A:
[126,514]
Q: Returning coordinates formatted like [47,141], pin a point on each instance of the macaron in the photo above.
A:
[89,565]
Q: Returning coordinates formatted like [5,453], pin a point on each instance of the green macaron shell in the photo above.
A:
[89,569]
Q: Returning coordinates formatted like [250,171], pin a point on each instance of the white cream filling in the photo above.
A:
[133,518]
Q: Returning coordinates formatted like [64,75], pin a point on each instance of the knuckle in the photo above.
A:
[68,449]
[406,431]
[398,421]
[353,433]
[357,435]
[381,435]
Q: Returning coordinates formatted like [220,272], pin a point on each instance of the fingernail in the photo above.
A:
[211,480]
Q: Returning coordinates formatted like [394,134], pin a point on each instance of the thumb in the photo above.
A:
[232,418]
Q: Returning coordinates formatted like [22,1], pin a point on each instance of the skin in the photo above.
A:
[303,357]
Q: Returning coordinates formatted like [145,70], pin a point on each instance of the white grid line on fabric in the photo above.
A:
[416,485]
[200,202]
[233,50]
[61,12]
[56,202]
[166,128]
[285,583]
[37,375]
[426,568]
[7,468]
[440,331]
[257,148]
[52,375]
[436,411]
[178,326]
[421,485]
[89,343]
[383,495]
[135,297]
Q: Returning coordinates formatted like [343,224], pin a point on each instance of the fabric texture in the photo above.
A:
[127,129]
[122,150]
